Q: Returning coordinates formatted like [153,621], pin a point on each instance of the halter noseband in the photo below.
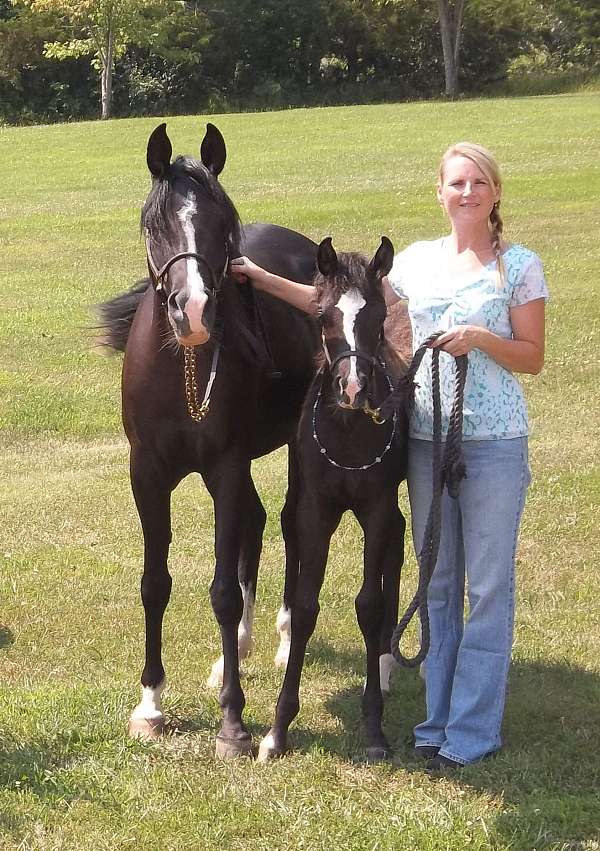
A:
[159,275]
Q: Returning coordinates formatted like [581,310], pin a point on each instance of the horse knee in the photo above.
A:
[304,618]
[156,589]
[226,601]
[369,612]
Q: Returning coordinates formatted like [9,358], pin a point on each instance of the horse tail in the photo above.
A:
[115,316]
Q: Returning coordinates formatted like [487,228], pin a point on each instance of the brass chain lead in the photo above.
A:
[196,411]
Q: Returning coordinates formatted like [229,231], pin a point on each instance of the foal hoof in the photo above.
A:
[147,729]
[232,748]
[267,749]
[378,754]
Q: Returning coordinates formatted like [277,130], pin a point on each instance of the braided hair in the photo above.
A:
[486,162]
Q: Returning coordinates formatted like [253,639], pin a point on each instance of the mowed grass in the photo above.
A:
[71,624]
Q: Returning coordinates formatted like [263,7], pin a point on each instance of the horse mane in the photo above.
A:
[155,217]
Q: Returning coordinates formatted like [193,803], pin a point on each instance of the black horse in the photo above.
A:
[349,460]
[191,331]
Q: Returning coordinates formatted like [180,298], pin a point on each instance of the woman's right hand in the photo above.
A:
[242,269]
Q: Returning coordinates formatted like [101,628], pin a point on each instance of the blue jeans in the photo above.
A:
[466,668]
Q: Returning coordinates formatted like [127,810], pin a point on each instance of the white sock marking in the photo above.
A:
[284,628]
[150,706]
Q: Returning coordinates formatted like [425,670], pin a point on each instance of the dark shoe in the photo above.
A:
[426,751]
[441,764]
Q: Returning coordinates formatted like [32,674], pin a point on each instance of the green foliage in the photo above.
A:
[238,54]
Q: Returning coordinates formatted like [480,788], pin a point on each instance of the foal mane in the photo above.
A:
[351,273]
[155,212]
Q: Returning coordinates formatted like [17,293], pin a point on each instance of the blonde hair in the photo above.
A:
[486,162]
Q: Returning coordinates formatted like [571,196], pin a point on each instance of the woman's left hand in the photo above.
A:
[459,340]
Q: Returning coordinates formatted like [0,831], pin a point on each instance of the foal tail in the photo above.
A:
[115,316]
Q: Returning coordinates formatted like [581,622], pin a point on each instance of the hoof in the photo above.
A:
[232,748]
[378,754]
[147,729]
[267,750]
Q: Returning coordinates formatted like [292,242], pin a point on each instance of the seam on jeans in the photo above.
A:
[500,700]
[452,756]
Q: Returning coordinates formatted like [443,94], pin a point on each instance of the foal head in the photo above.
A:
[353,311]
[191,229]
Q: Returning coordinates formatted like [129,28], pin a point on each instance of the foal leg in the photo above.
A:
[292,558]
[393,559]
[254,524]
[317,525]
[229,484]
[377,522]
[152,489]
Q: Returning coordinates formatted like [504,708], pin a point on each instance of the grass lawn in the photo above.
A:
[71,624]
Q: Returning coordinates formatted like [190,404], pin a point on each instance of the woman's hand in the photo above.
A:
[243,268]
[459,340]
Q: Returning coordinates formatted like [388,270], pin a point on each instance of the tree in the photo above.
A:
[451,17]
[99,27]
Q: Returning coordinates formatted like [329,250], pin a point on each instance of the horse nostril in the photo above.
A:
[175,310]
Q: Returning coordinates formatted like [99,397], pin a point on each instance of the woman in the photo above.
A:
[488,297]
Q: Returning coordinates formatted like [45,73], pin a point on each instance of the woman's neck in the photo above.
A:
[478,240]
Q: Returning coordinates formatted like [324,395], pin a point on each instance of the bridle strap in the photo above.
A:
[159,274]
[356,353]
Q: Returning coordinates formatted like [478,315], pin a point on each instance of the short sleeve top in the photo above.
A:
[494,404]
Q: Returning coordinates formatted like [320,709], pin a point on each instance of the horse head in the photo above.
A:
[353,311]
[191,229]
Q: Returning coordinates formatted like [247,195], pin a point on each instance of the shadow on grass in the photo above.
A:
[6,636]
[548,774]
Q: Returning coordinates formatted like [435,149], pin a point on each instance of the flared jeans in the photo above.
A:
[466,669]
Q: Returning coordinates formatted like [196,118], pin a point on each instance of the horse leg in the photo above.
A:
[254,524]
[152,489]
[317,524]
[229,484]
[380,552]
[392,561]
[292,558]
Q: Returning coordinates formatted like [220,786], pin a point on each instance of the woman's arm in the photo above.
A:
[523,353]
[302,296]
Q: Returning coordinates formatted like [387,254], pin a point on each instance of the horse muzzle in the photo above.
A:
[190,317]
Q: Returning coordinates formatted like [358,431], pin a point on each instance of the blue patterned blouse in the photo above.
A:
[494,405]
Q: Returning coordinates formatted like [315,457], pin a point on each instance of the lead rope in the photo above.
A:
[447,471]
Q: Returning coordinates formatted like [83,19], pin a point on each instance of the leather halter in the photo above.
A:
[159,274]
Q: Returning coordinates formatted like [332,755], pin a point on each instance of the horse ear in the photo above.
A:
[327,260]
[213,152]
[382,262]
[158,153]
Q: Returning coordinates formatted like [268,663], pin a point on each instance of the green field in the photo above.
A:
[71,625]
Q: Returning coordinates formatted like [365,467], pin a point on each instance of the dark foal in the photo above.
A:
[214,376]
[348,461]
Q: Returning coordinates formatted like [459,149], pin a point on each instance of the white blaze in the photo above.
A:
[350,304]
[197,296]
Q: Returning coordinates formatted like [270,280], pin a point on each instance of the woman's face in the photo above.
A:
[465,192]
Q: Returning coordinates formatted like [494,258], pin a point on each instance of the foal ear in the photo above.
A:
[213,152]
[158,153]
[381,263]
[327,260]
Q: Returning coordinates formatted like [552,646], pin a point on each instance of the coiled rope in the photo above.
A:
[448,471]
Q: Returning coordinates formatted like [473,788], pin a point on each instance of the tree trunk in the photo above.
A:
[451,16]
[107,75]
